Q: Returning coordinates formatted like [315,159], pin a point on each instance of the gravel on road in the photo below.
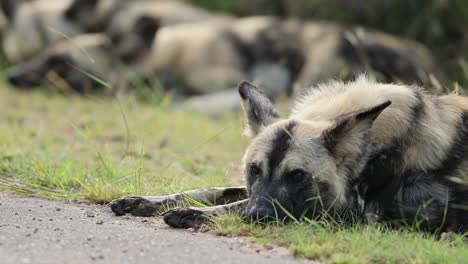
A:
[38,231]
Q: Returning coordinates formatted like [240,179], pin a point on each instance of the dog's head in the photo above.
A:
[131,42]
[32,26]
[300,167]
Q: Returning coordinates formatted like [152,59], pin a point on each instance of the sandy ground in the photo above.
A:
[41,231]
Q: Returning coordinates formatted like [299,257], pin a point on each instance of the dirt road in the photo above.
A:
[41,231]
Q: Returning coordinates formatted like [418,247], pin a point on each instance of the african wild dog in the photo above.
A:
[341,53]
[118,15]
[71,65]
[33,25]
[382,152]
[221,51]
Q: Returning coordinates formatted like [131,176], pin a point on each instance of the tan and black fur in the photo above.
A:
[379,152]
[34,25]
[340,53]
[206,56]
[77,64]
[119,15]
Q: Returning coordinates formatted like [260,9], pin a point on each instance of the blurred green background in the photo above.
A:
[439,24]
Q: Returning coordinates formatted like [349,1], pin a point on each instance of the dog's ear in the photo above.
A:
[258,109]
[350,129]
[9,8]
[146,27]
[79,7]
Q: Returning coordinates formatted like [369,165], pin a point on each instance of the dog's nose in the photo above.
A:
[261,213]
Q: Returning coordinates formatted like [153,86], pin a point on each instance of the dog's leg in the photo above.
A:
[151,205]
[196,217]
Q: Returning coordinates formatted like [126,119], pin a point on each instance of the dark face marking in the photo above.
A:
[280,147]
[291,190]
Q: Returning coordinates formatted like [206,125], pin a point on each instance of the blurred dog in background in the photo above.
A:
[196,53]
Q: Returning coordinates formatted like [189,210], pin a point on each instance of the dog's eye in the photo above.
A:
[254,170]
[297,175]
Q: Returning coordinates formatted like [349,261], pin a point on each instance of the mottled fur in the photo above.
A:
[335,52]
[400,150]
[207,56]
[377,152]
[33,25]
[71,65]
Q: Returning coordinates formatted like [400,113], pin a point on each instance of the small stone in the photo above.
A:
[268,247]
[16,213]
[90,213]
[99,222]
[191,229]
[58,209]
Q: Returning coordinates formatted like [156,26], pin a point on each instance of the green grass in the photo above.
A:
[99,149]
[359,244]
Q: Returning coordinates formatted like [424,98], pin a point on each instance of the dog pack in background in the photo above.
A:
[376,152]
[148,39]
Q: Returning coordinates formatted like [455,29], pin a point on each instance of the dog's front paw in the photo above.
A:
[136,206]
[186,218]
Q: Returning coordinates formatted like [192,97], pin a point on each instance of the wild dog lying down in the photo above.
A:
[221,51]
[117,15]
[72,65]
[383,152]
[34,25]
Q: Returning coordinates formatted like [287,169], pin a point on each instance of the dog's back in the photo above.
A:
[419,154]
